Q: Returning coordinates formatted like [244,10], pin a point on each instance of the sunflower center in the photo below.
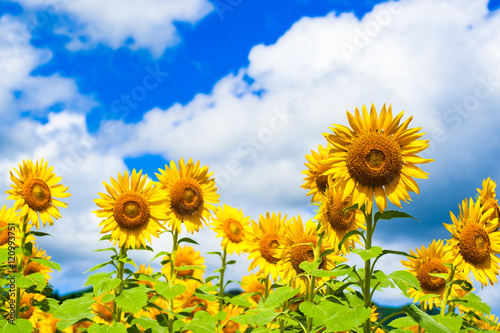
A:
[268,246]
[374,159]
[36,193]
[428,282]
[322,180]
[230,327]
[233,230]
[131,211]
[31,268]
[304,252]
[197,303]
[4,234]
[186,197]
[184,272]
[474,244]
[338,219]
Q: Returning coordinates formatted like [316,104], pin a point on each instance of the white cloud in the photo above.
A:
[150,23]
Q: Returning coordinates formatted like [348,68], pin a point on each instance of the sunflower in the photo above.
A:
[376,158]
[301,242]
[28,310]
[103,311]
[35,190]
[132,210]
[188,301]
[185,256]
[337,223]
[146,270]
[487,197]
[190,193]
[9,218]
[475,242]
[265,244]
[316,182]
[486,326]
[432,260]
[229,326]
[252,284]
[230,224]
[32,267]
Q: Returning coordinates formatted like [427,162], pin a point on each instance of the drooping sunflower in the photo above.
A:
[337,223]
[432,260]
[475,242]
[185,256]
[35,190]
[132,210]
[487,197]
[230,224]
[376,157]
[265,244]
[301,242]
[34,267]
[316,182]
[251,284]
[191,194]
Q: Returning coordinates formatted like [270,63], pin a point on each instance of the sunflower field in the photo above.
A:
[301,280]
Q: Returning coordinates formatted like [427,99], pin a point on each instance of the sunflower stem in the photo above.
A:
[221,287]
[367,281]
[117,310]
[171,280]
[447,292]
[266,287]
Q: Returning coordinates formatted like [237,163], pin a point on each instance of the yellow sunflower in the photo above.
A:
[265,244]
[188,301]
[32,267]
[132,210]
[486,326]
[191,194]
[185,256]
[103,311]
[432,260]
[337,223]
[229,326]
[252,284]
[8,226]
[301,241]
[487,197]
[316,182]
[376,157]
[35,190]
[475,242]
[28,310]
[230,224]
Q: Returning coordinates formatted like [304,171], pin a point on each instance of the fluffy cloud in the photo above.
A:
[146,24]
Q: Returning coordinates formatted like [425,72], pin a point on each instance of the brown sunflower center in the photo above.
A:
[230,327]
[338,219]
[31,268]
[268,246]
[36,193]
[474,244]
[374,159]
[304,252]
[233,230]
[197,303]
[322,180]
[184,272]
[186,197]
[428,282]
[4,234]
[131,211]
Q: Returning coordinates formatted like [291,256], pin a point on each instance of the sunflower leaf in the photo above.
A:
[240,300]
[188,240]
[148,323]
[167,291]
[132,300]
[404,280]
[103,264]
[103,328]
[426,321]
[452,321]
[204,322]
[215,252]
[256,317]
[105,237]
[107,249]
[399,253]
[440,275]
[308,266]
[402,322]
[38,234]
[231,262]
[35,279]
[279,296]
[19,326]
[28,249]
[348,235]
[392,214]
[162,253]
[73,310]
[47,263]
[368,254]
[464,284]
[474,302]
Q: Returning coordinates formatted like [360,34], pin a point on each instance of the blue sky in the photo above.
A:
[97,88]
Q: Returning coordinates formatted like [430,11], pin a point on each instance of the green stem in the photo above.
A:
[117,310]
[387,318]
[447,291]
[367,281]
[266,288]
[221,287]
[171,280]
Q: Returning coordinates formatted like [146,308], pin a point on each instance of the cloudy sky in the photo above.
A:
[248,88]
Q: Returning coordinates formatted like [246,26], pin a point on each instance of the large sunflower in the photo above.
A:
[316,182]
[190,192]
[35,267]
[230,224]
[487,197]
[35,190]
[475,241]
[337,223]
[376,157]
[229,326]
[132,210]
[265,243]
[185,256]
[432,260]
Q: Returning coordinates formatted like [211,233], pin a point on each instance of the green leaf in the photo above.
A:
[368,254]
[399,253]
[404,280]
[453,322]
[188,240]
[216,253]
[188,267]
[97,278]
[73,310]
[402,322]
[336,317]
[103,328]
[35,279]
[256,317]
[342,270]
[105,237]
[28,249]
[440,275]
[146,323]
[127,260]
[204,322]
[231,262]
[392,214]
[239,300]
[426,321]
[277,297]
[348,235]
[167,291]
[474,302]
[47,263]
[308,266]
[132,300]
[206,292]
[107,249]
[106,286]
[38,234]
[99,266]
[322,273]
[162,253]
[20,326]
